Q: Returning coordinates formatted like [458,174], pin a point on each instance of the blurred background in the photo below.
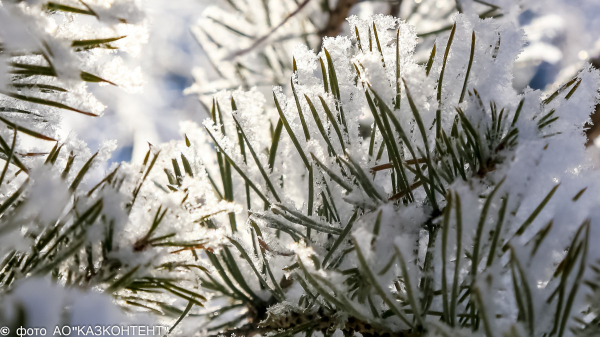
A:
[562,36]
[152,114]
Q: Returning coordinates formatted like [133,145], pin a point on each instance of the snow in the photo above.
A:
[398,257]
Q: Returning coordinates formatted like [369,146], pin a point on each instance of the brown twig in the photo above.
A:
[395,8]
[263,38]
[400,195]
[388,166]
[337,17]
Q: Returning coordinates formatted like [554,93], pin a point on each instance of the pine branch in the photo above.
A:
[295,322]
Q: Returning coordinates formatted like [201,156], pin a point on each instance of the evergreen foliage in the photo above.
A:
[465,208]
